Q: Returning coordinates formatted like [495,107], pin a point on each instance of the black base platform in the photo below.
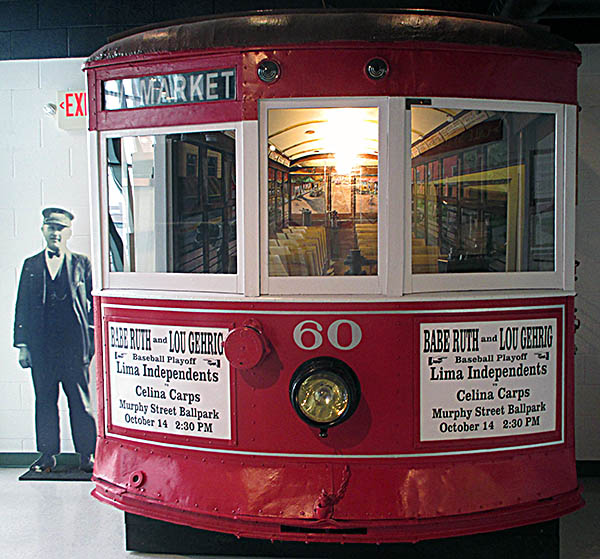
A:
[537,541]
[60,473]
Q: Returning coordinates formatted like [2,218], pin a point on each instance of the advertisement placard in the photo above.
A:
[169,379]
[487,379]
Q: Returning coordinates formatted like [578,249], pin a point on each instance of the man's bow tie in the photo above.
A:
[52,254]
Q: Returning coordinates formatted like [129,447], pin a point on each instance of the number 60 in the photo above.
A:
[315,329]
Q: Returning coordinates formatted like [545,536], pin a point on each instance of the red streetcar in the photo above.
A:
[334,274]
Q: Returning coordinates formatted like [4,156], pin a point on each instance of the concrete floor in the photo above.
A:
[59,520]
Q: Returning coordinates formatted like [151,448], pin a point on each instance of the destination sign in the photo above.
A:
[170,89]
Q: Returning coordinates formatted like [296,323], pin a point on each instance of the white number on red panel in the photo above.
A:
[307,335]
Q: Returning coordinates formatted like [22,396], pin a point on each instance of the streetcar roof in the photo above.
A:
[290,27]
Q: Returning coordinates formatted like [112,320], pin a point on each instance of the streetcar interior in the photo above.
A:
[323,191]
[483,191]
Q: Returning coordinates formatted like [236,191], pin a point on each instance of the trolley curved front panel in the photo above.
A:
[456,431]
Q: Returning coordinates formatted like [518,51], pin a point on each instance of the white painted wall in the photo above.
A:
[40,166]
[587,251]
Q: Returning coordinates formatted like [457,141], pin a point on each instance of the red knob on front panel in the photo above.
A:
[246,345]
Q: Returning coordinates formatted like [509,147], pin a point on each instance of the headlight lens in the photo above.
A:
[323,397]
[324,392]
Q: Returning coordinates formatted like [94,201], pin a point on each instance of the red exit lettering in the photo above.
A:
[75,104]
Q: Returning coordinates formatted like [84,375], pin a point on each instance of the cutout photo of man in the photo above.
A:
[54,333]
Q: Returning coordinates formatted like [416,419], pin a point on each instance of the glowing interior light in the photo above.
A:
[347,135]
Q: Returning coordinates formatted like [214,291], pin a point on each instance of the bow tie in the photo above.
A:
[52,254]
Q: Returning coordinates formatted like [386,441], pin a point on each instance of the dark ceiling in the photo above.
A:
[576,20]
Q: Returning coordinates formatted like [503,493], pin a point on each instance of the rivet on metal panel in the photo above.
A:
[158,494]
[196,505]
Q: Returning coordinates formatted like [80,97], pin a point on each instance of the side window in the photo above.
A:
[172,203]
[323,191]
[483,191]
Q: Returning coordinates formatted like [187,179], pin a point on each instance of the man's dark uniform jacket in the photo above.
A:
[54,319]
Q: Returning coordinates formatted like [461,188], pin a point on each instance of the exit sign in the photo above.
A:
[72,110]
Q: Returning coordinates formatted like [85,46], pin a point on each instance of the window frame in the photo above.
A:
[330,285]
[395,278]
[560,278]
[174,281]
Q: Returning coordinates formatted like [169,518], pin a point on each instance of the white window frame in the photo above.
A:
[394,277]
[561,277]
[330,285]
[175,281]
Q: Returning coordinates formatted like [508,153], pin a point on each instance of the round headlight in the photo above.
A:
[323,397]
[324,392]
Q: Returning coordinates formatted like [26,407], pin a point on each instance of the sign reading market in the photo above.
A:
[169,379]
[487,379]
[169,89]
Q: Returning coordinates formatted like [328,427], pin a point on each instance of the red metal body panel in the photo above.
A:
[271,473]
[416,70]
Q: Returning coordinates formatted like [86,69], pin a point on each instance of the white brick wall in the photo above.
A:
[41,166]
